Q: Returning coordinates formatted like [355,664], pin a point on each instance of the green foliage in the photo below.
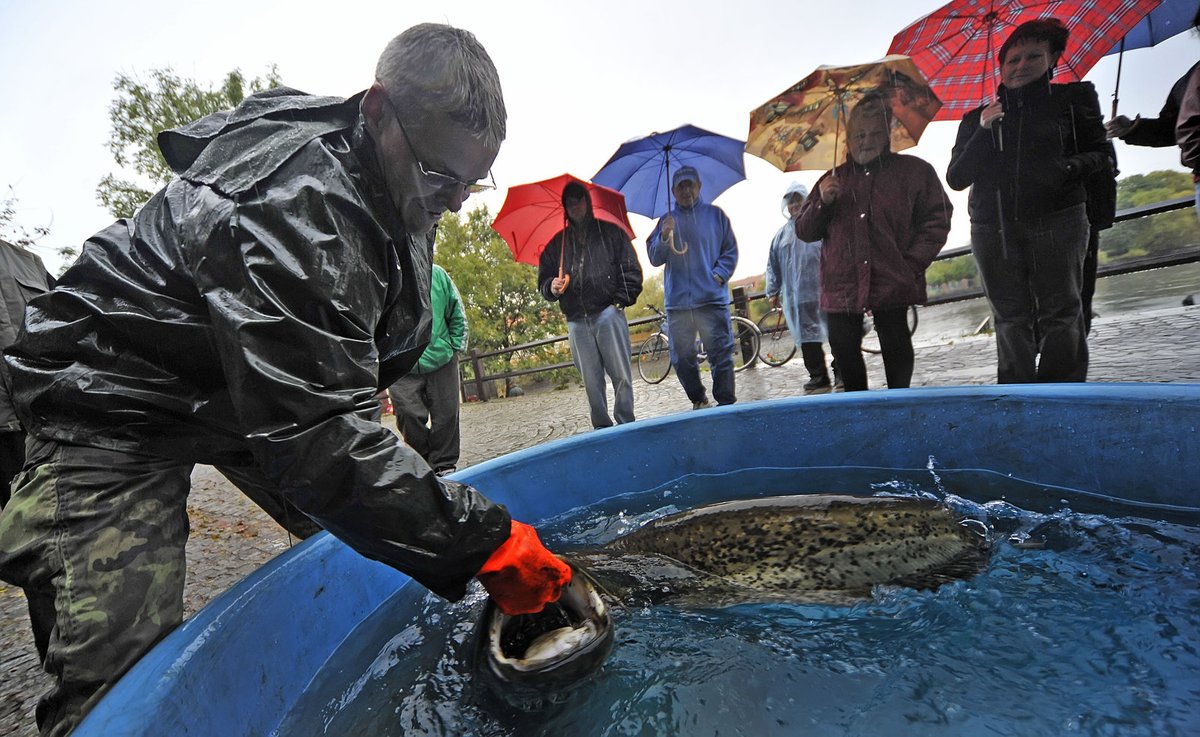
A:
[500,296]
[952,275]
[142,110]
[1157,234]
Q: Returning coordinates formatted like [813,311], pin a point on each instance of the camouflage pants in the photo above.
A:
[96,539]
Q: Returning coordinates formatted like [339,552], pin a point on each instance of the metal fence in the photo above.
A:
[480,380]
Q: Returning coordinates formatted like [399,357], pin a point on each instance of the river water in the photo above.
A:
[1142,291]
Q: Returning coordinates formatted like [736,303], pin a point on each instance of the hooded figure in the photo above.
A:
[794,282]
[592,271]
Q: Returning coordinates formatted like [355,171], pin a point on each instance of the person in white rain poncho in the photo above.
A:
[794,282]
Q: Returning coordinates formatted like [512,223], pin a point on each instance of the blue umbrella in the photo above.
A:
[641,169]
[1171,18]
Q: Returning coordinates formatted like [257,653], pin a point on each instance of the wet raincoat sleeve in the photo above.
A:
[548,263]
[931,223]
[629,284]
[727,257]
[657,251]
[456,319]
[294,295]
[972,150]
[812,224]
[774,273]
[1188,128]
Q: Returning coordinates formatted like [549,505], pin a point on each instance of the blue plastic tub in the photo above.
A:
[237,666]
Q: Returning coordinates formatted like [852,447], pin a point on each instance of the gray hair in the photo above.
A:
[438,68]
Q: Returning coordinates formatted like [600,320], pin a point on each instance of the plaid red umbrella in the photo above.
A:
[956,45]
[533,213]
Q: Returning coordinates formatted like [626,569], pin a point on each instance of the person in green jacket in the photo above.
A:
[426,400]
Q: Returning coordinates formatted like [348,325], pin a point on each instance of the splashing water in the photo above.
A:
[1087,627]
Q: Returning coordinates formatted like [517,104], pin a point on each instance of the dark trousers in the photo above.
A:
[427,414]
[895,342]
[96,540]
[814,360]
[712,325]
[1033,277]
[1091,263]
[12,457]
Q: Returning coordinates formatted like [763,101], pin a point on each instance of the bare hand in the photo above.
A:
[558,284]
[991,114]
[829,189]
[775,301]
[667,227]
[1118,126]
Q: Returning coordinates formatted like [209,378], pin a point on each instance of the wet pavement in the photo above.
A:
[231,537]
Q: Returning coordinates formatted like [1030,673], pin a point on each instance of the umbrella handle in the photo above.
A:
[1117,86]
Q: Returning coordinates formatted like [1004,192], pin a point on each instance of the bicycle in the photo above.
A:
[778,347]
[654,359]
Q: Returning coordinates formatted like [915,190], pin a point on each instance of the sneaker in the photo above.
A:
[702,404]
[444,470]
[838,386]
[817,383]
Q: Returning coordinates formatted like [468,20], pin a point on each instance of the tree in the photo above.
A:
[500,296]
[142,110]
[1158,234]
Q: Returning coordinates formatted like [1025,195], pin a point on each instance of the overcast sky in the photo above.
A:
[579,79]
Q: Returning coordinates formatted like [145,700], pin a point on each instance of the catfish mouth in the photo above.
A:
[558,646]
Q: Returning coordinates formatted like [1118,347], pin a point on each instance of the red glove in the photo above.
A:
[522,576]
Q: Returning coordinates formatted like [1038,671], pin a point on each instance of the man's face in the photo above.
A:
[1025,62]
[432,141]
[686,192]
[868,137]
[576,208]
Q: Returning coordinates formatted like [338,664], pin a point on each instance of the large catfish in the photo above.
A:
[807,549]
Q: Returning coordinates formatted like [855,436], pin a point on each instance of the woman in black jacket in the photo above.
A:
[1027,156]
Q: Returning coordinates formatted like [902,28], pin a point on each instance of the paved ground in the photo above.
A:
[231,537]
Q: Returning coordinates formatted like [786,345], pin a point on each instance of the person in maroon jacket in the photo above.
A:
[883,218]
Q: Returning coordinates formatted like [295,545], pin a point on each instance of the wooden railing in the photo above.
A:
[741,300]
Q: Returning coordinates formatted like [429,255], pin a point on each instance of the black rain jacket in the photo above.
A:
[1049,152]
[247,316]
[603,266]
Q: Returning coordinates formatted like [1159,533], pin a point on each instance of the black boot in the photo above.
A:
[814,360]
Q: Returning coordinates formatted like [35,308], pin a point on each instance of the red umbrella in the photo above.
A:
[955,46]
[533,213]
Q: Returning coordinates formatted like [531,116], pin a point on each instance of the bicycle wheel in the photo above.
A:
[654,359]
[776,346]
[746,341]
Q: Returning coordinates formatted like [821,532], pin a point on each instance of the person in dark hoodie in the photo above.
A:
[592,271]
[1027,157]
[246,318]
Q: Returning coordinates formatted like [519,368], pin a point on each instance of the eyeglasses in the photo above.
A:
[436,179]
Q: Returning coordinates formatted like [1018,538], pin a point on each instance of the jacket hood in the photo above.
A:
[793,188]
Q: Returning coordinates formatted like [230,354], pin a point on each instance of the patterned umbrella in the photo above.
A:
[803,127]
[956,45]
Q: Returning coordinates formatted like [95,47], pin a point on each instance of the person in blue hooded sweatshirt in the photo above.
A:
[696,244]
[794,282]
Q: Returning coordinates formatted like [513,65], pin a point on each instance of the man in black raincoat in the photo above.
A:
[246,318]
